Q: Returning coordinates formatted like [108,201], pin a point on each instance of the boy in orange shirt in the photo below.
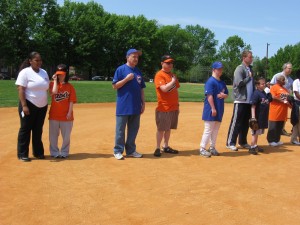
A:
[61,118]
[167,111]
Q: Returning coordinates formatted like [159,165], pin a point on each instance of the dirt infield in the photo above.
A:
[92,187]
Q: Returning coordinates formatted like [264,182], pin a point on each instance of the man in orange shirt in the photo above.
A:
[166,115]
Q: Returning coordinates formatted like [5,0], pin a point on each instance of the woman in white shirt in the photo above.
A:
[32,83]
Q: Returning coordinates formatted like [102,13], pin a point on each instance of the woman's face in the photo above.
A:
[36,62]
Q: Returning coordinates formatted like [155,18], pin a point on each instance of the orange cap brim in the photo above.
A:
[60,73]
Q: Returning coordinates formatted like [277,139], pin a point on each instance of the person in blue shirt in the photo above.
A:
[215,92]
[260,101]
[129,83]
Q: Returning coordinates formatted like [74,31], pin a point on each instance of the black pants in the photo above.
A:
[31,123]
[239,124]
[274,131]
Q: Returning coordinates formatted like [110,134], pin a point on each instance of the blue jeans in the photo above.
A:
[133,125]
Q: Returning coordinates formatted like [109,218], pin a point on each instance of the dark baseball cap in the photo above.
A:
[167,58]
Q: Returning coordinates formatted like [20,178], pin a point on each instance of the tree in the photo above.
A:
[230,54]
[203,45]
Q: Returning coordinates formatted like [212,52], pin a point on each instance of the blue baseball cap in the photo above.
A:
[133,50]
[217,65]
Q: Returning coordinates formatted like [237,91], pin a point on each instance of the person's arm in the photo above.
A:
[54,89]
[253,107]
[143,100]
[121,83]
[69,114]
[210,100]
[21,92]
[297,94]
[167,87]
[239,81]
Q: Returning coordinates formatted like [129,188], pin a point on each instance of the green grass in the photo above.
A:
[101,91]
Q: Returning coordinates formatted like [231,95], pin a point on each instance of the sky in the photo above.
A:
[264,24]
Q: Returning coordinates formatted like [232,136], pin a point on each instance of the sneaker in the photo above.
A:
[24,159]
[135,155]
[245,146]
[273,144]
[204,153]
[283,132]
[170,150]
[64,156]
[279,143]
[252,151]
[295,142]
[157,152]
[118,156]
[259,149]
[213,151]
[232,147]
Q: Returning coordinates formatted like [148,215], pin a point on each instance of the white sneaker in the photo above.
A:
[232,147]
[273,144]
[213,151]
[135,155]
[295,142]
[118,156]
[280,143]
[205,153]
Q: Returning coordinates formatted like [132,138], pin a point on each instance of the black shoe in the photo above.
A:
[64,156]
[24,159]
[252,151]
[157,152]
[40,157]
[284,133]
[170,150]
[260,149]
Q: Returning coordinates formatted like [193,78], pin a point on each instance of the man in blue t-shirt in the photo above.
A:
[215,93]
[129,83]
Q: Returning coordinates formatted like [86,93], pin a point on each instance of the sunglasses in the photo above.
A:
[168,63]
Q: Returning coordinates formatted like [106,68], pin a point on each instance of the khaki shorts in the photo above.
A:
[166,120]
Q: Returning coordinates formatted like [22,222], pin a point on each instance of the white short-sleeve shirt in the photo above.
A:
[296,87]
[36,86]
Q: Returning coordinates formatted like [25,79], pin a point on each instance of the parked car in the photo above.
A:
[98,78]
[75,78]
[4,76]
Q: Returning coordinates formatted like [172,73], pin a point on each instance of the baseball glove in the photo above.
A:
[253,124]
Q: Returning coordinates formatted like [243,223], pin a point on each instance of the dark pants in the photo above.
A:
[31,123]
[274,131]
[239,124]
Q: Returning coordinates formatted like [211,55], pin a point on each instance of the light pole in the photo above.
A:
[267,59]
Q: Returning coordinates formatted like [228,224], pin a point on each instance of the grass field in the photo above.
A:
[101,91]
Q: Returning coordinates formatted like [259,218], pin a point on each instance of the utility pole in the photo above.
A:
[267,66]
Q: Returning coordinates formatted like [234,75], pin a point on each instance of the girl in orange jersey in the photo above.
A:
[61,112]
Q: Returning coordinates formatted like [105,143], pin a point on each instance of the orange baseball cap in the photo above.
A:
[59,72]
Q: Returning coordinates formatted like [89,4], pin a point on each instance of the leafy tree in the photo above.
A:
[20,21]
[230,54]
[203,45]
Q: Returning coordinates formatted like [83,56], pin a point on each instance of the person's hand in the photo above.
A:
[69,115]
[130,76]
[221,95]
[25,109]
[213,112]
[54,77]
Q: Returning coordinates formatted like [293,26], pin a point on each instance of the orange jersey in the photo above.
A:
[61,101]
[167,101]
[278,110]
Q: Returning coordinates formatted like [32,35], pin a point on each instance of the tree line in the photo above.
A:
[83,35]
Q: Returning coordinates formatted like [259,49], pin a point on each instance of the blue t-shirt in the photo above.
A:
[129,97]
[214,87]
[262,102]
